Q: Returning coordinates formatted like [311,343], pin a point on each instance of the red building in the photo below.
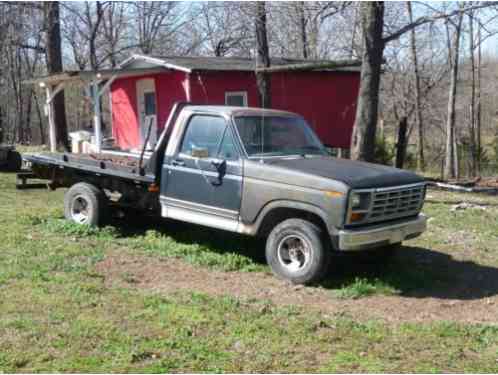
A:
[325,98]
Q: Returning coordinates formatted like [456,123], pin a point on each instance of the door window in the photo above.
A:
[150,103]
[227,147]
[203,132]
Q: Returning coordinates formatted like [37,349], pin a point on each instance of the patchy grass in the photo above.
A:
[57,314]
[363,287]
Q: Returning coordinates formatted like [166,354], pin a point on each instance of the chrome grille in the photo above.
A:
[387,204]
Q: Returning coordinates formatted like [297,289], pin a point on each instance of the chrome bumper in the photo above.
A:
[381,235]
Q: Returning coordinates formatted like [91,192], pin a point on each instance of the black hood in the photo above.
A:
[355,174]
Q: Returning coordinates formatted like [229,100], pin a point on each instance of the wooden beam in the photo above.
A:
[311,66]
[97,126]
[107,85]
[51,122]
[55,91]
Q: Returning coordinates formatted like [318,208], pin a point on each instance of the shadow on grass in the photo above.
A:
[418,272]
[218,241]
[413,272]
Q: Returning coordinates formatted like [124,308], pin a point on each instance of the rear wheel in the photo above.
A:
[14,161]
[296,251]
[85,204]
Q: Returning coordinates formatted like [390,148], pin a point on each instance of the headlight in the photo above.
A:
[359,201]
[355,201]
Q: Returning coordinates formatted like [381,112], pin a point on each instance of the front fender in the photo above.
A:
[253,228]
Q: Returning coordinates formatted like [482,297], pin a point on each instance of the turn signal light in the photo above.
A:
[153,188]
[356,216]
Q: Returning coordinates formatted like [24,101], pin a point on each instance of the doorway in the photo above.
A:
[147,112]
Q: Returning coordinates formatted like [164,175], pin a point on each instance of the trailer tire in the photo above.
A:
[297,250]
[14,161]
[85,204]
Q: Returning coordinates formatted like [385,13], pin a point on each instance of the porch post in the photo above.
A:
[51,122]
[96,117]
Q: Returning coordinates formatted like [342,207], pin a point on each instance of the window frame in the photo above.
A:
[242,147]
[228,127]
[243,94]
[149,92]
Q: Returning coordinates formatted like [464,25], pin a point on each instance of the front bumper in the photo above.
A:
[381,235]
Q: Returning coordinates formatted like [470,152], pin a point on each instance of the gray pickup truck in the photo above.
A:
[252,171]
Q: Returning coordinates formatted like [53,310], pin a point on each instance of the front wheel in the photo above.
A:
[296,251]
[85,204]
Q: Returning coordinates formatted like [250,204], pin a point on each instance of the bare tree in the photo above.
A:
[54,65]
[225,29]
[157,21]
[451,159]
[372,20]
[418,105]
[472,119]
[478,100]
[263,79]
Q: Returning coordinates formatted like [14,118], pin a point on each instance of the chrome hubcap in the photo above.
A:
[294,252]
[79,210]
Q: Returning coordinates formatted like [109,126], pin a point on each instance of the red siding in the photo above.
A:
[170,87]
[124,113]
[327,100]
[210,87]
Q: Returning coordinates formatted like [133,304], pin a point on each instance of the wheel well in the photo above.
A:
[277,215]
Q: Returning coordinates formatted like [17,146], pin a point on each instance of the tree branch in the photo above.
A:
[423,20]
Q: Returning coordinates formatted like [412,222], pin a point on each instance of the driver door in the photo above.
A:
[205,190]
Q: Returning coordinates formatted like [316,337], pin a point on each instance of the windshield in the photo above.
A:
[277,136]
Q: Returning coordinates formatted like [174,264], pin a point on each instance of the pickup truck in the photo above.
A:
[253,171]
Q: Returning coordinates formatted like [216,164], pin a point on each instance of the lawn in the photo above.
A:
[60,311]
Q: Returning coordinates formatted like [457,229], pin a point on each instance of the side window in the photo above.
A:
[203,132]
[236,98]
[227,147]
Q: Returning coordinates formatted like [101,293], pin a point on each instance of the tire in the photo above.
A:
[14,161]
[296,250]
[85,204]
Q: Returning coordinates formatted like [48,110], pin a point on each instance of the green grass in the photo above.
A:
[57,314]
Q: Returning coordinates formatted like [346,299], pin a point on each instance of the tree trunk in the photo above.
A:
[54,65]
[1,126]
[43,140]
[401,144]
[478,104]
[418,107]
[302,25]
[363,141]
[450,162]
[472,122]
[262,56]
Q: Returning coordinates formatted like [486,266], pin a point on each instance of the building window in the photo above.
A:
[236,98]
[150,103]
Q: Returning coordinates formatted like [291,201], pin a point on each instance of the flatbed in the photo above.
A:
[124,167]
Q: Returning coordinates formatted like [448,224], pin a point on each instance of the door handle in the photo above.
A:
[178,163]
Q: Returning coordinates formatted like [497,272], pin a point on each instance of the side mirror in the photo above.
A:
[200,152]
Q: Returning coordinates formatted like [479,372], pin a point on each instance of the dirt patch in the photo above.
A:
[167,275]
